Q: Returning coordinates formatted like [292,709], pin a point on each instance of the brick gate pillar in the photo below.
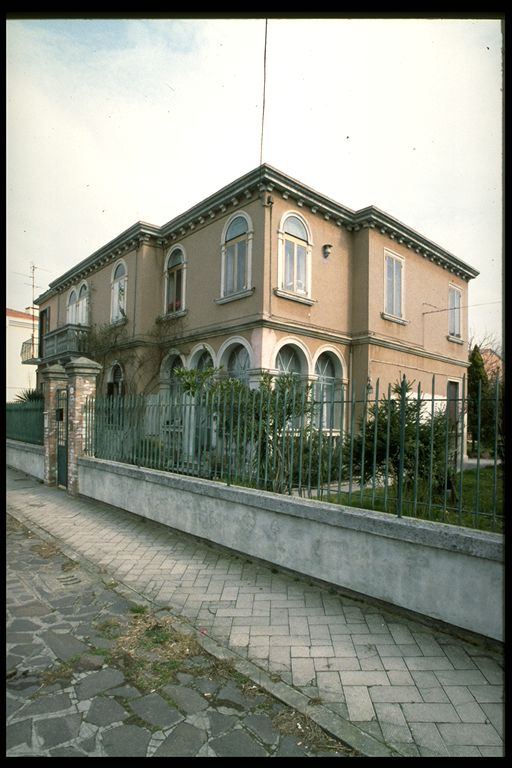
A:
[82,374]
[54,378]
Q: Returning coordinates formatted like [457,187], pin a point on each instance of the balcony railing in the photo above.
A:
[68,341]
[29,351]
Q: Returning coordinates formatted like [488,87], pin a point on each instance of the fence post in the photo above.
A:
[400,479]
[82,374]
[54,378]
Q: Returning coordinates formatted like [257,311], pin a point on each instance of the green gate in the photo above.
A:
[61,416]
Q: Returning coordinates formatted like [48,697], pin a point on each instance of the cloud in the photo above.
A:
[110,122]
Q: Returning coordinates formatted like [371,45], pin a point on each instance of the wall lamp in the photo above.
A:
[326,250]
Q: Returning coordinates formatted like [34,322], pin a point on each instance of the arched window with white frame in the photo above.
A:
[236,255]
[328,392]
[288,361]
[82,306]
[295,257]
[118,292]
[71,308]
[238,363]
[175,281]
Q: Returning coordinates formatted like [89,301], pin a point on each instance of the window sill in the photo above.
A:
[235,296]
[120,321]
[455,339]
[293,297]
[394,319]
[172,315]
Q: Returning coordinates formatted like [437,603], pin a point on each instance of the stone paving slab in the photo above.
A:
[390,683]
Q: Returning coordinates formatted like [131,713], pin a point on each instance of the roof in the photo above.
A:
[264,178]
[19,314]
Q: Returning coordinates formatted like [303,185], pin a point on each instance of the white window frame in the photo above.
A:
[82,304]
[294,291]
[118,293]
[454,312]
[245,289]
[393,311]
[178,267]
[71,307]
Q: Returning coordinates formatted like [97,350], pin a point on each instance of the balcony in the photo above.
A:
[64,343]
[29,352]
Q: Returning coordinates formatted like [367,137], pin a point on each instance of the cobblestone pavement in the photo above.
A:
[297,654]
[72,690]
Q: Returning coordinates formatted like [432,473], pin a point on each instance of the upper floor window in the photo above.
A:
[77,308]
[295,257]
[236,256]
[82,314]
[454,311]
[394,285]
[71,309]
[175,282]
[118,302]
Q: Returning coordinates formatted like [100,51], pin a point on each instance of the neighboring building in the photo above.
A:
[19,325]
[493,363]
[264,275]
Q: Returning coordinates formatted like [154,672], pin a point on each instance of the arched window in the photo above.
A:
[71,309]
[115,385]
[238,362]
[326,391]
[175,282]
[288,360]
[119,283]
[236,256]
[295,257]
[82,314]
[204,361]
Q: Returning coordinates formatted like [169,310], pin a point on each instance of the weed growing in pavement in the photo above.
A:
[60,673]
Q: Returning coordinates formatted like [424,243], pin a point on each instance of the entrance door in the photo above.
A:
[61,416]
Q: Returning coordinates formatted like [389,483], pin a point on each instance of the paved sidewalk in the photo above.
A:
[382,683]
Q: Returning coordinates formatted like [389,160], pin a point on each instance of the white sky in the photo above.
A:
[114,121]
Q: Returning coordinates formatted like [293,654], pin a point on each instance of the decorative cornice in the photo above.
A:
[265,179]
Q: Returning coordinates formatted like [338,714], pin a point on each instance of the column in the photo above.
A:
[81,375]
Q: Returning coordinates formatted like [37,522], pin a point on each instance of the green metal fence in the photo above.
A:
[25,421]
[402,451]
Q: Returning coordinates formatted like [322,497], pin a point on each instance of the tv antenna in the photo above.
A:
[32,283]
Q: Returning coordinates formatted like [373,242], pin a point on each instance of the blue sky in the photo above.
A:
[114,121]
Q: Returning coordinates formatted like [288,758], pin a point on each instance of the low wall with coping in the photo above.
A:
[26,457]
[450,574]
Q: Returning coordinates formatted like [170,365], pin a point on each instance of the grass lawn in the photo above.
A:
[479,506]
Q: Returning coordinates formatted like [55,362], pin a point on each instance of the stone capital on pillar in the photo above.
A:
[82,366]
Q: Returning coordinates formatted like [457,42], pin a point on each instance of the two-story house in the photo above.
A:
[264,275]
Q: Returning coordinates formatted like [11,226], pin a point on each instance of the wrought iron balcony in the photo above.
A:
[29,351]
[64,343]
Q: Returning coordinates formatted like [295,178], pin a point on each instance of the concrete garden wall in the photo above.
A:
[448,573]
[26,457]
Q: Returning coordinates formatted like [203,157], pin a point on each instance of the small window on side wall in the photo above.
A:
[454,311]
[394,285]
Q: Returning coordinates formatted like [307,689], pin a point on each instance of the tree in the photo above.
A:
[480,401]
[399,438]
